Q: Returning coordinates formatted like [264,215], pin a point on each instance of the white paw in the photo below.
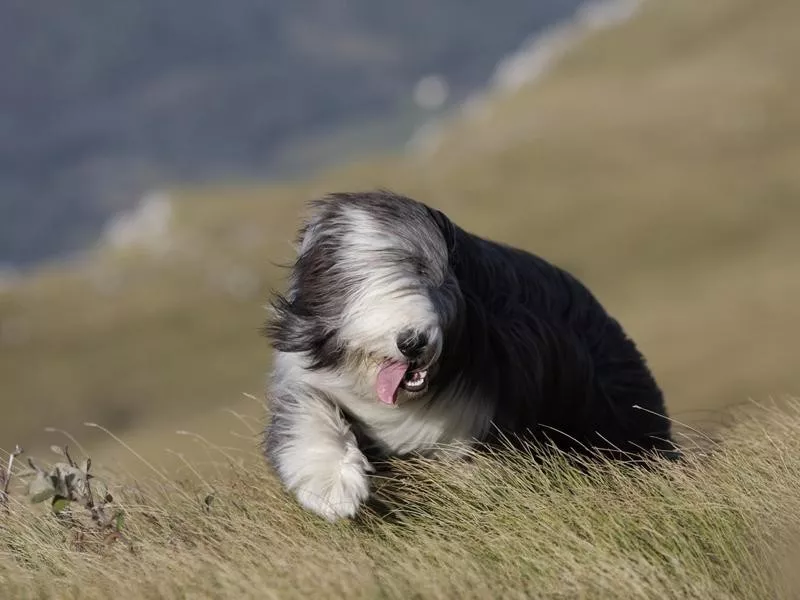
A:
[335,490]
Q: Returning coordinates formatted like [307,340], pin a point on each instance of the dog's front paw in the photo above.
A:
[336,490]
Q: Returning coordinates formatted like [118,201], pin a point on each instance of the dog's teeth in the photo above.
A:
[417,379]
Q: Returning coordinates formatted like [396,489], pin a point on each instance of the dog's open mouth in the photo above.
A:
[395,375]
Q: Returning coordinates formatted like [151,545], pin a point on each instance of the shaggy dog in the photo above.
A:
[401,333]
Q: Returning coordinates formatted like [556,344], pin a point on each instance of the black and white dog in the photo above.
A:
[402,333]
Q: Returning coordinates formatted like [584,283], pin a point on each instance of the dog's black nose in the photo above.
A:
[412,343]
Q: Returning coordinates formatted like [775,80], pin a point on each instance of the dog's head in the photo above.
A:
[371,294]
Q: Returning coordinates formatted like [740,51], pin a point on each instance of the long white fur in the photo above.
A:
[319,459]
[388,300]
[321,463]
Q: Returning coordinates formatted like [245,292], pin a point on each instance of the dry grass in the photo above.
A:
[715,527]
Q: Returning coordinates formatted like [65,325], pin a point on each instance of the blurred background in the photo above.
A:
[155,157]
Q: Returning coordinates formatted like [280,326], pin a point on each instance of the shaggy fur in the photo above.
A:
[507,346]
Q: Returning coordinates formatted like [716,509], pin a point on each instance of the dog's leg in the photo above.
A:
[315,454]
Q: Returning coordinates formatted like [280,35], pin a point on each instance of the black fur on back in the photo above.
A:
[556,365]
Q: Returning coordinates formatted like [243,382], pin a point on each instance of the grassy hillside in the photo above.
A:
[715,528]
[658,161]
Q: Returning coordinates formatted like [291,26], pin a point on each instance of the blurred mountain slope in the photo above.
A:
[657,160]
[100,101]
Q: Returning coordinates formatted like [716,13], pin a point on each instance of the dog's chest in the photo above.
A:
[402,429]
[419,427]
[455,419]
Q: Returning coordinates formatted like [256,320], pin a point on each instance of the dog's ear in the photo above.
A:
[291,328]
[446,226]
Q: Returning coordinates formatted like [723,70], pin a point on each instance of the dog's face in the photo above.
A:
[371,295]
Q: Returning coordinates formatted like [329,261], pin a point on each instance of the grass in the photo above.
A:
[718,526]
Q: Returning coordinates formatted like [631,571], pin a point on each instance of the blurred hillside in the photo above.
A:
[101,101]
[658,161]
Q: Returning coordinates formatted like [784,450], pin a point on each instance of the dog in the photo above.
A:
[402,334]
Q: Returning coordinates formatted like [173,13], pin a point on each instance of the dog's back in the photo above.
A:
[555,362]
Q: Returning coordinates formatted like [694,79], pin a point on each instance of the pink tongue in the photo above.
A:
[389,377]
